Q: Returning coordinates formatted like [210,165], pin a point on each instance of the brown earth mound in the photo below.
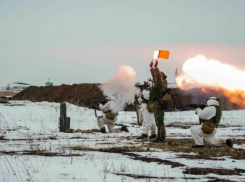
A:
[86,94]
[78,94]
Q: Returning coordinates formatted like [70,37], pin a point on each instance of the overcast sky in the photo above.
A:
[85,41]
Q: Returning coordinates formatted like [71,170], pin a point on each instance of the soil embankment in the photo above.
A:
[86,94]
[78,94]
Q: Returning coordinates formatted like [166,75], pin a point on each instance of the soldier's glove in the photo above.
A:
[156,63]
[197,110]
[100,105]
[151,65]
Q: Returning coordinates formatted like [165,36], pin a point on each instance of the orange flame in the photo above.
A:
[203,90]
[200,72]
[235,96]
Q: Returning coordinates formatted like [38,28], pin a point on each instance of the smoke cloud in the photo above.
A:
[121,86]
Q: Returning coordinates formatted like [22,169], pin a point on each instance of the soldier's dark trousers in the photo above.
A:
[159,117]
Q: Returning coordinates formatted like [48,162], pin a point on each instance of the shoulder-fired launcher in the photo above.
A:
[142,86]
[201,106]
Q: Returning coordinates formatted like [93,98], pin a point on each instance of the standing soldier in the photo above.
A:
[158,100]
[137,105]
[211,116]
[109,118]
[149,123]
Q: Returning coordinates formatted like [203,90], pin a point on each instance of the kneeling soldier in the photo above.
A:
[109,118]
[211,116]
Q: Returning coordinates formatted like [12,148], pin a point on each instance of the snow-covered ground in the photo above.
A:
[28,126]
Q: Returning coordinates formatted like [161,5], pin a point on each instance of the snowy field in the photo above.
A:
[33,149]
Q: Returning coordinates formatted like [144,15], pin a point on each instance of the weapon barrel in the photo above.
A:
[143,86]
[94,102]
[196,106]
[101,101]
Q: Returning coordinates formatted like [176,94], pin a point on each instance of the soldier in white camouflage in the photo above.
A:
[210,116]
[109,117]
[149,124]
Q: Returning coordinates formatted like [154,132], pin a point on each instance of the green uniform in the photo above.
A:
[156,93]
[217,117]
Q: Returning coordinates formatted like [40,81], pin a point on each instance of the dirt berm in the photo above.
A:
[78,94]
[86,94]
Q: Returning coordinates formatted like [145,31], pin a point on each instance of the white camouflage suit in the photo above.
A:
[138,110]
[140,115]
[102,120]
[149,123]
[196,131]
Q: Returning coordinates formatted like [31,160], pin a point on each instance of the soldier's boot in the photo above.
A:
[124,128]
[102,130]
[158,135]
[197,146]
[159,140]
[156,140]
[143,136]
[153,136]
[161,135]
[229,143]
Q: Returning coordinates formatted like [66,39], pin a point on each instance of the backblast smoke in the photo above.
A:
[121,86]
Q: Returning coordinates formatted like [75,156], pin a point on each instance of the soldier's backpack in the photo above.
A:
[208,127]
[110,115]
[166,99]
[149,107]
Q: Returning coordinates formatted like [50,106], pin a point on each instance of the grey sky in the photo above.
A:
[85,41]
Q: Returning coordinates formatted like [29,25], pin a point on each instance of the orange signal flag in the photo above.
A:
[163,54]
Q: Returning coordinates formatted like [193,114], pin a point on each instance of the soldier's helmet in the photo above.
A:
[213,101]
[110,97]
